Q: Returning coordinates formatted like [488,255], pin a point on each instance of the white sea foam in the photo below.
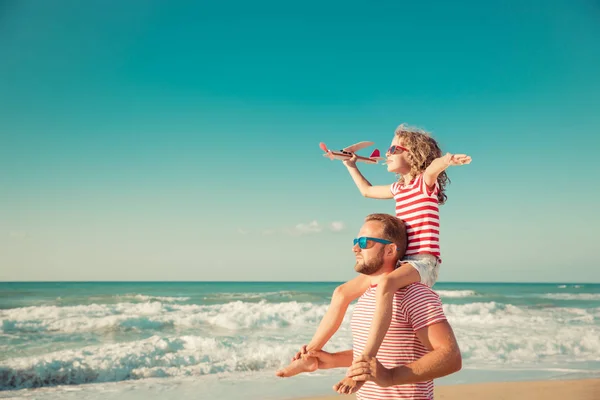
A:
[254,336]
[139,298]
[250,296]
[492,334]
[572,296]
[142,297]
[155,315]
[456,293]
[153,357]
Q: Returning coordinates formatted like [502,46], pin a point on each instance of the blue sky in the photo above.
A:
[153,140]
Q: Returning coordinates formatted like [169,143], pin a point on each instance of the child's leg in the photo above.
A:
[341,299]
[400,277]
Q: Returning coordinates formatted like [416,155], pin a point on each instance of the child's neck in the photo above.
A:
[407,178]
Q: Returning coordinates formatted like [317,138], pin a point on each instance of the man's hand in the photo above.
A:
[367,368]
[351,162]
[303,350]
[326,360]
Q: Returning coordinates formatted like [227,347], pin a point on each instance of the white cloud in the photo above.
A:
[311,227]
[242,231]
[337,226]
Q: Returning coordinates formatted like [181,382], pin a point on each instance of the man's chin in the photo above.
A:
[358,266]
[361,268]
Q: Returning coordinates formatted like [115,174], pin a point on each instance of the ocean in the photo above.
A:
[225,340]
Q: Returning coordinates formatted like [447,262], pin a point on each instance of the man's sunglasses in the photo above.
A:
[363,242]
[395,149]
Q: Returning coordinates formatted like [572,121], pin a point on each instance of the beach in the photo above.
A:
[577,389]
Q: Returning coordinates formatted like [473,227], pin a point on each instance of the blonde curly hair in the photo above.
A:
[423,149]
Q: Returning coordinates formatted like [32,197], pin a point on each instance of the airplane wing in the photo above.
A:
[355,147]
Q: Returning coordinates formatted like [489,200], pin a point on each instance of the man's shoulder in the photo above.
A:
[420,306]
[415,292]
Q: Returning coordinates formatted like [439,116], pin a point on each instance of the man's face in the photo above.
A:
[369,260]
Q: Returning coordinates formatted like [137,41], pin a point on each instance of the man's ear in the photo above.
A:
[393,249]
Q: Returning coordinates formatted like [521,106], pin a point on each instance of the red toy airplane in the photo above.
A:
[347,152]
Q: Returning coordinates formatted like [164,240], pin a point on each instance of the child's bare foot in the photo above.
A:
[308,364]
[348,386]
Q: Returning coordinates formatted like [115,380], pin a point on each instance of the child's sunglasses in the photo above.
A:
[363,242]
[395,149]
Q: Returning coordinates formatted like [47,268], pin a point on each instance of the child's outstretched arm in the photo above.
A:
[438,165]
[365,187]
[343,295]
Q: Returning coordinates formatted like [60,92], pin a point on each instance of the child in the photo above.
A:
[418,160]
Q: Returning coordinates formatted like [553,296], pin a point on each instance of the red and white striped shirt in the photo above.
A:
[418,207]
[415,307]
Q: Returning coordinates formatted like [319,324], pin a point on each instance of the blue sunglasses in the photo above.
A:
[363,241]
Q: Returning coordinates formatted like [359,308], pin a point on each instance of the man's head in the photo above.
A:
[386,250]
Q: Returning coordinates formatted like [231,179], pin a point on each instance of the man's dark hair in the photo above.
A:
[394,230]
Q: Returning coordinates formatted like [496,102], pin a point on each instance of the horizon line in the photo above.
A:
[277,281]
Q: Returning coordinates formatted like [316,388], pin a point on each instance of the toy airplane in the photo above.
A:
[347,152]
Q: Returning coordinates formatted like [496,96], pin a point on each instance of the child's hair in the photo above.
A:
[423,150]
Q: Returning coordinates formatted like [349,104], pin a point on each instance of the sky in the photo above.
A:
[154,140]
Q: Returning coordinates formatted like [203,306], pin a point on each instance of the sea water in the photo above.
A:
[225,340]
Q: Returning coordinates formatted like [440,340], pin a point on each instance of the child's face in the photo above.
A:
[398,162]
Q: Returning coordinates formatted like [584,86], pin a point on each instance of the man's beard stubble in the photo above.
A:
[371,267]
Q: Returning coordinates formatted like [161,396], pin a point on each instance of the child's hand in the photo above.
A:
[351,162]
[456,159]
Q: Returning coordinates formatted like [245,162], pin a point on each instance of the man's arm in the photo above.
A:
[332,360]
[343,295]
[443,359]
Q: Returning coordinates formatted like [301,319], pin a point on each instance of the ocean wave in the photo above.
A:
[156,315]
[138,297]
[250,296]
[571,296]
[456,293]
[248,316]
[529,344]
[246,337]
[153,357]
[145,298]
[500,314]
[494,334]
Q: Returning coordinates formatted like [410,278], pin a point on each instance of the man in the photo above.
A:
[419,345]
